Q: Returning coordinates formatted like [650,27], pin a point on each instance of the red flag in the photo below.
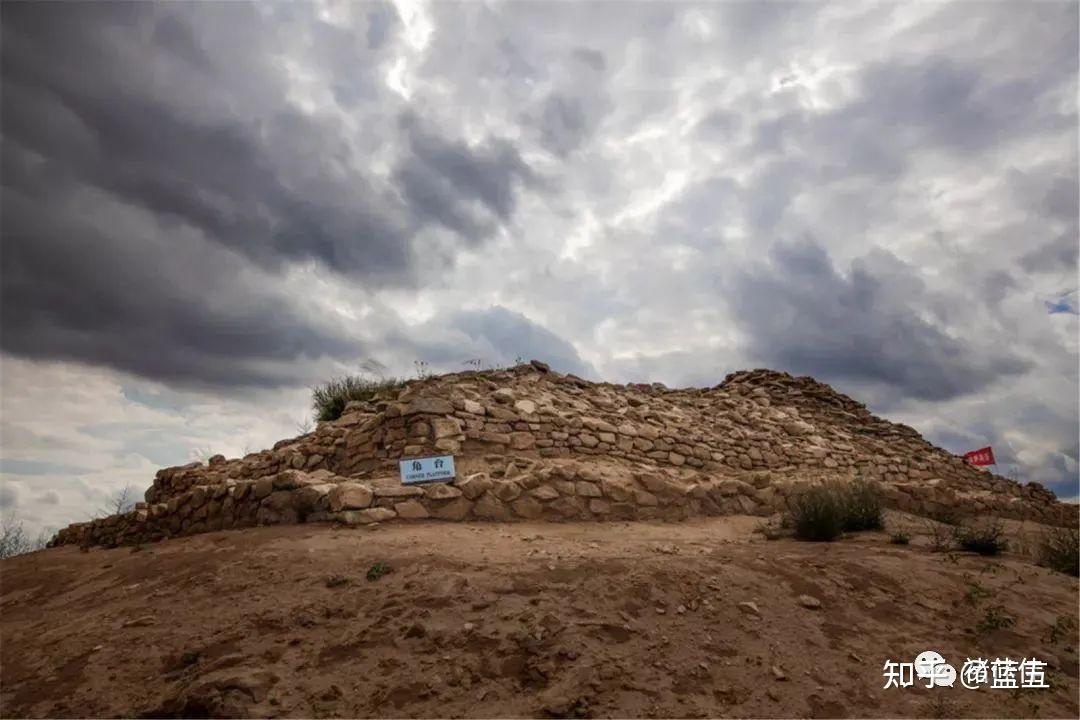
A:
[982,456]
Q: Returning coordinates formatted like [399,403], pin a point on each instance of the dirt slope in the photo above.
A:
[523,619]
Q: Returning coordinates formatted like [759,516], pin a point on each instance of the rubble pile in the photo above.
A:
[531,443]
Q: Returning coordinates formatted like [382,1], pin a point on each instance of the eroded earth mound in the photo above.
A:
[533,444]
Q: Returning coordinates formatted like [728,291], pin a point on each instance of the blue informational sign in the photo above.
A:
[424,470]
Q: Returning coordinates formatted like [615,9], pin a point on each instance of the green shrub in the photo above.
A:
[1059,549]
[975,593]
[14,540]
[995,618]
[863,507]
[899,538]
[818,514]
[825,511]
[329,399]
[377,570]
[942,536]
[984,538]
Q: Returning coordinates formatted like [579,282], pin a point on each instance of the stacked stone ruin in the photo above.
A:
[534,444]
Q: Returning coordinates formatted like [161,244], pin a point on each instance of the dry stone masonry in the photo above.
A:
[534,444]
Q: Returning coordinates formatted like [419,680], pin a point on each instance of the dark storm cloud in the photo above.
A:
[468,189]
[903,109]
[1053,196]
[1047,192]
[1059,254]
[568,116]
[166,307]
[179,114]
[941,102]
[997,286]
[66,109]
[381,18]
[802,315]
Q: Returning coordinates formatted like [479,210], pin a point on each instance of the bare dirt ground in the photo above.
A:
[506,620]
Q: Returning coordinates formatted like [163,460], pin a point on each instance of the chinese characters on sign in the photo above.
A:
[415,471]
[982,456]
[1000,673]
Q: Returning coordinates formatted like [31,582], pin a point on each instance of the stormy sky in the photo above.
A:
[207,207]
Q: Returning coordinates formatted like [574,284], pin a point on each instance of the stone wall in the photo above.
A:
[526,489]
[538,445]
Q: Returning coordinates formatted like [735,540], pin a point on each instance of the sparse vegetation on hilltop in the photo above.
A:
[823,512]
[13,537]
[863,507]
[377,570]
[986,537]
[329,399]
[899,537]
[994,618]
[1059,549]
[118,502]
[817,514]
